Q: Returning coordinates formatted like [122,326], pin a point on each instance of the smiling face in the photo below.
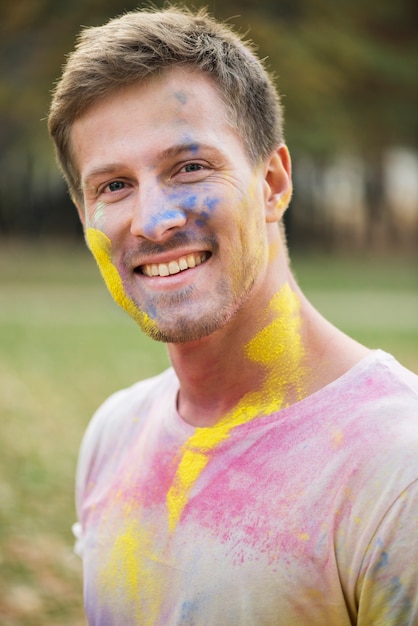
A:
[174,212]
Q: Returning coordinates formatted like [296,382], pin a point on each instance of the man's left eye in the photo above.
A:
[116,185]
[192,167]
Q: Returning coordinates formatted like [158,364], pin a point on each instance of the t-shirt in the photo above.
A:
[306,516]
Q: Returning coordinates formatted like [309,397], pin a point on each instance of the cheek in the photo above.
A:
[96,217]
[208,209]
[200,205]
[100,247]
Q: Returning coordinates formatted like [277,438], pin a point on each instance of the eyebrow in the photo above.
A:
[99,171]
[171,152]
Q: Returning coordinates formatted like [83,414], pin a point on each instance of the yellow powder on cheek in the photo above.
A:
[100,247]
[279,343]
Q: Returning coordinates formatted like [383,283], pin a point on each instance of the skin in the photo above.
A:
[164,176]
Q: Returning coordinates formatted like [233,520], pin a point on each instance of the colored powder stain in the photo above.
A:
[162,217]
[383,562]
[281,341]
[337,439]
[192,464]
[285,198]
[100,247]
[392,603]
[211,203]
[280,337]
[130,567]
[181,96]
[189,203]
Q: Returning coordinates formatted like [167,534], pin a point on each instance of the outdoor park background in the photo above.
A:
[348,75]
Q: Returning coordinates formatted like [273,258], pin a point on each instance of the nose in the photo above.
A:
[157,214]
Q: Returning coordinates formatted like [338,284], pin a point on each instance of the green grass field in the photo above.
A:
[65,346]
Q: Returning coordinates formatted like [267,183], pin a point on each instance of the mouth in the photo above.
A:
[181,264]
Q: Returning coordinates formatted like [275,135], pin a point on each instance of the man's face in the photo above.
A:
[173,210]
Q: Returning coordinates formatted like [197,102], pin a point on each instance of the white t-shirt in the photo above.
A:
[307,516]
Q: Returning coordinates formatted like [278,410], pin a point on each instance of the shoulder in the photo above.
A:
[386,363]
[361,431]
[379,434]
[390,395]
[384,405]
[124,414]
[131,402]
[378,390]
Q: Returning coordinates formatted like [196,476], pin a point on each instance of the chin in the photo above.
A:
[186,330]
[184,322]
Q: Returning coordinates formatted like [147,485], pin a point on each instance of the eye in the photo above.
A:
[192,167]
[116,185]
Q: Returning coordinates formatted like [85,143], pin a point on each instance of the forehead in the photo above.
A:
[180,105]
[177,91]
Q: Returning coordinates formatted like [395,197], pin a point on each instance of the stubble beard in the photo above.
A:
[170,326]
[184,328]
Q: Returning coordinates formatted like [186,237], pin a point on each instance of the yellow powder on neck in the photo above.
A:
[279,348]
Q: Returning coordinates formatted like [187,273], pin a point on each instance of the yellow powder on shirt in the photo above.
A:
[278,342]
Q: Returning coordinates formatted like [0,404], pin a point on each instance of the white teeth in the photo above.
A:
[174,267]
[163,270]
[191,260]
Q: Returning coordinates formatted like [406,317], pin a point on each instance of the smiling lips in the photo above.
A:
[174,267]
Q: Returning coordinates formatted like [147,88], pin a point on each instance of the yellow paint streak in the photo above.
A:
[284,199]
[278,347]
[100,247]
[129,568]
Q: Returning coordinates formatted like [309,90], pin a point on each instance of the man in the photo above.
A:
[270,476]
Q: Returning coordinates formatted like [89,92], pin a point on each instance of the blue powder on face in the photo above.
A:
[162,216]
[189,203]
[211,203]
[181,97]
[203,218]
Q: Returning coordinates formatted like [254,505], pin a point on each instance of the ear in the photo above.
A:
[277,184]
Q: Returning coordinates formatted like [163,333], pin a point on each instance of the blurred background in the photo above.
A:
[347,72]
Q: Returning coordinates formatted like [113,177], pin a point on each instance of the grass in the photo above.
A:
[64,347]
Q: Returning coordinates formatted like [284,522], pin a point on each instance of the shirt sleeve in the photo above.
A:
[78,534]
[388,584]
[95,433]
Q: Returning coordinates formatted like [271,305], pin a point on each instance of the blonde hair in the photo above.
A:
[139,44]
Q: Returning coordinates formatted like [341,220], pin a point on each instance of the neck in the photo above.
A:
[255,365]
[267,359]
